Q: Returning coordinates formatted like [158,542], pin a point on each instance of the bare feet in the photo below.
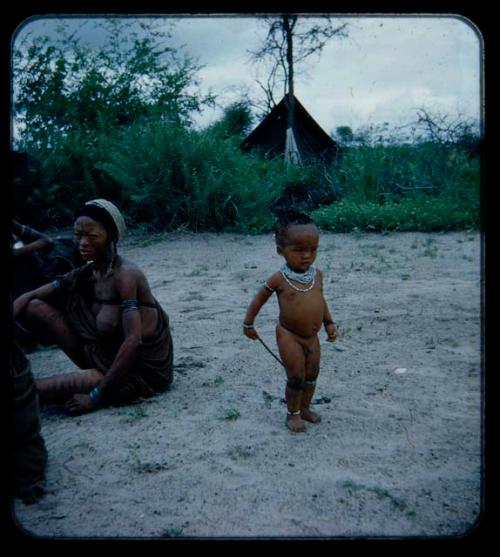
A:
[295,423]
[310,416]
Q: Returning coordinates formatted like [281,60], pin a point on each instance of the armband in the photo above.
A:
[56,284]
[328,322]
[129,305]
[96,396]
[268,288]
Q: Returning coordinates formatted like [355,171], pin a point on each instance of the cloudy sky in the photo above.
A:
[387,67]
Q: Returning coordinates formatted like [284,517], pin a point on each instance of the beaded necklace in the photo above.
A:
[305,278]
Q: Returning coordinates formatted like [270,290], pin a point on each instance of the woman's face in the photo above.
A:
[91,237]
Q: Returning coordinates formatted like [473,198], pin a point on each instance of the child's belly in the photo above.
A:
[302,314]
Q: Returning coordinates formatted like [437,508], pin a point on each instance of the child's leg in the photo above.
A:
[58,389]
[312,371]
[292,354]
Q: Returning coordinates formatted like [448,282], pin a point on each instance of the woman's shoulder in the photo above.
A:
[128,270]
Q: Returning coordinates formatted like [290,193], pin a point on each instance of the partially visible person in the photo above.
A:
[111,326]
[28,446]
[26,243]
[26,240]
[39,258]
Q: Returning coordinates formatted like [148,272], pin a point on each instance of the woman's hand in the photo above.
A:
[79,404]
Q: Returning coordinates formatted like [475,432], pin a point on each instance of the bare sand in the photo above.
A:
[398,452]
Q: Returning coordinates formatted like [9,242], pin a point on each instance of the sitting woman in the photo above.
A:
[111,326]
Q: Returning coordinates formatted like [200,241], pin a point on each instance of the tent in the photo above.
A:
[304,142]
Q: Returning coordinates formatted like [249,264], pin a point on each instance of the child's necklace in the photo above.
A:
[305,278]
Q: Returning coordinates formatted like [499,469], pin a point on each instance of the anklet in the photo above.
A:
[296,413]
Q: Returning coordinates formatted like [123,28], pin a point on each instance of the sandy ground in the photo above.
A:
[399,450]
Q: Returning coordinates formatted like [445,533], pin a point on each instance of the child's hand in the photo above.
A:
[331,331]
[250,332]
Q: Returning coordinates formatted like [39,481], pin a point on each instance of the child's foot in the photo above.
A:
[294,423]
[310,416]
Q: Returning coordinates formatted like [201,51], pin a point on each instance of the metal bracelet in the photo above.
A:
[96,396]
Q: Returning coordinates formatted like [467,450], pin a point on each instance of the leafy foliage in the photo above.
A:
[66,87]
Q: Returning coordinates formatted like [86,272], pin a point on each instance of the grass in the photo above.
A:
[230,414]
[172,533]
[147,240]
[430,248]
[197,271]
[381,493]
[135,413]
[219,380]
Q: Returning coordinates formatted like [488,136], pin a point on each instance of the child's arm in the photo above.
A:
[264,293]
[330,327]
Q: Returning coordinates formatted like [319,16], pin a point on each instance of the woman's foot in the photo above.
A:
[309,416]
[295,423]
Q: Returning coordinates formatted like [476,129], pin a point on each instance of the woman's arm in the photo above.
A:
[132,333]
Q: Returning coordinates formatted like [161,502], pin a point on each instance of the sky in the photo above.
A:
[383,71]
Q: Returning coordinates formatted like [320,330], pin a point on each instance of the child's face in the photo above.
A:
[300,246]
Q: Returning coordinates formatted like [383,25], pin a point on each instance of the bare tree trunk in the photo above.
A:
[288,24]
[291,151]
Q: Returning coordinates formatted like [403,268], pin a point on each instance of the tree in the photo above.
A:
[345,134]
[235,121]
[74,102]
[62,86]
[287,44]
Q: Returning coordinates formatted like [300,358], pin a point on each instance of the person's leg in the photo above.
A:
[292,355]
[51,326]
[312,371]
[58,389]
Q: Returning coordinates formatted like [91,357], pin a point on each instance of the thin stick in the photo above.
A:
[270,351]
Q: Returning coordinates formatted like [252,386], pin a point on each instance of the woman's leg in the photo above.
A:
[58,389]
[51,326]
[292,355]
[312,372]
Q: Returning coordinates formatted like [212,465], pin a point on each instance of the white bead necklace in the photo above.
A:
[308,276]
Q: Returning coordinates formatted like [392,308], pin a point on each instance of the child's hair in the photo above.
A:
[286,219]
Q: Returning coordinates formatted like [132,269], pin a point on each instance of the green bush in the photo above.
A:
[175,177]
[166,176]
[418,213]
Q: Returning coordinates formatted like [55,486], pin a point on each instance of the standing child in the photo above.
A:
[303,309]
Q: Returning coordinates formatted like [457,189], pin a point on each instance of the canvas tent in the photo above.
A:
[304,142]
